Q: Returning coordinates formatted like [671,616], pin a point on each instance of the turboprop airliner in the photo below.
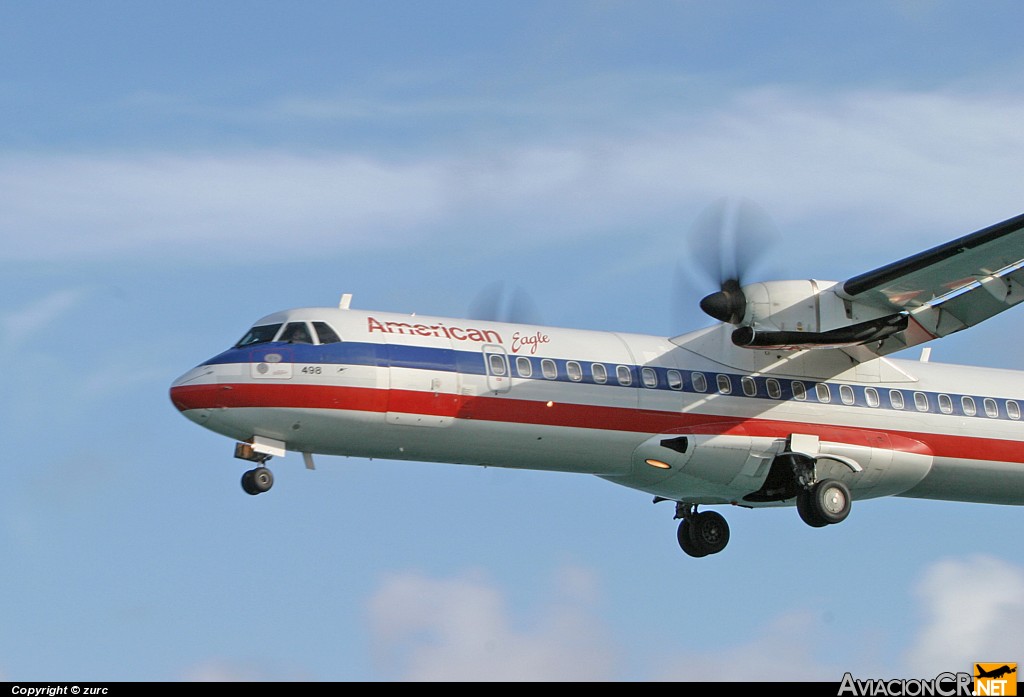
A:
[791,399]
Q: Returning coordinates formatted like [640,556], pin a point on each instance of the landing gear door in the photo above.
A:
[499,377]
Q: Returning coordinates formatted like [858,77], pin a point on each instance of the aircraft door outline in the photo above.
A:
[496,365]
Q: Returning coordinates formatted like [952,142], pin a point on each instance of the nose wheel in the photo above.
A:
[257,481]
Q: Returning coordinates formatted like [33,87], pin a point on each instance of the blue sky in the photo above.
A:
[170,172]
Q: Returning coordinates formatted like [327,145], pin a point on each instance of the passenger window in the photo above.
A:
[921,401]
[799,391]
[524,367]
[600,373]
[624,375]
[574,371]
[991,408]
[258,335]
[871,396]
[968,405]
[724,384]
[896,399]
[846,394]
[774,389]
[549,369]
[945,404]
[296,333]
[749,386]
[325,333]
[649,377]
[675,380]
[823,393]
[497,364]
[1013,410]
[700,383]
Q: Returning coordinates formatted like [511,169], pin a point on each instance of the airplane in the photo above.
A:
[995,673]
[789,400]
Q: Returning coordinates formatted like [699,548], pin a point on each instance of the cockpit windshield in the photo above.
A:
[296,333]
[293,333]
[259,335]
[326,334]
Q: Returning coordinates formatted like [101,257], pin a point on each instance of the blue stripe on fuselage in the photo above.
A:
[358,353]
[681,380]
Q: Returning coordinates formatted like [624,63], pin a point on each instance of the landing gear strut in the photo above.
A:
[701,534]
[793,474]
[260,479]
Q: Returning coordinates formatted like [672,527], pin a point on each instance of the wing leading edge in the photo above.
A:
[947,288]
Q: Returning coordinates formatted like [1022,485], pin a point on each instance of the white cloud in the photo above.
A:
[461,629]
[972,611]
[783,650]
[106,380]
[223,670]
[877,160]
[929,157]
[202,207]
[18,326]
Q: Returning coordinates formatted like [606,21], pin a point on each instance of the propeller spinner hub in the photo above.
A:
[727,305]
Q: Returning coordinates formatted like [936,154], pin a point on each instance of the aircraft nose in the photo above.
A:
[185,389]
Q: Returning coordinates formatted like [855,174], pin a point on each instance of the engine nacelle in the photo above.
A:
[808,314]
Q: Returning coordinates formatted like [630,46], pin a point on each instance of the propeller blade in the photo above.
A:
[494,304]
[487,303]
[726,241]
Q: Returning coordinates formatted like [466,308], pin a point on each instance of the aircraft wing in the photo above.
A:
[948,288]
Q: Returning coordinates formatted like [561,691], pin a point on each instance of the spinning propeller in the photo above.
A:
[494,303]
[728,239]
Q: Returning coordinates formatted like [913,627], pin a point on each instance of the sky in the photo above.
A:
[172,171]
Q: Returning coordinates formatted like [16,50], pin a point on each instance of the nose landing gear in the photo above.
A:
[260,479]
[257,481]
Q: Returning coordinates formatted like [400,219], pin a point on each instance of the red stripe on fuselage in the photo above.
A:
[508,410]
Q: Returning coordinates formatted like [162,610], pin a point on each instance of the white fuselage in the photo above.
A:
[506,395]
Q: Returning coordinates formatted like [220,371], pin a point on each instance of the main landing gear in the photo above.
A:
[822,503]
[701,534]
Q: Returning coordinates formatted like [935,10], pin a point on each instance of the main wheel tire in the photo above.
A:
[808,513]
[262,479]
[248,486]
[831,500]
[709,531]
[685,538]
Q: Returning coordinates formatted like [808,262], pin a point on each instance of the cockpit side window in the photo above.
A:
[326,334]
[258,335]
[296,333]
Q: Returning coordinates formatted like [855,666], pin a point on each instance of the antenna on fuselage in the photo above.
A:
[346,300]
